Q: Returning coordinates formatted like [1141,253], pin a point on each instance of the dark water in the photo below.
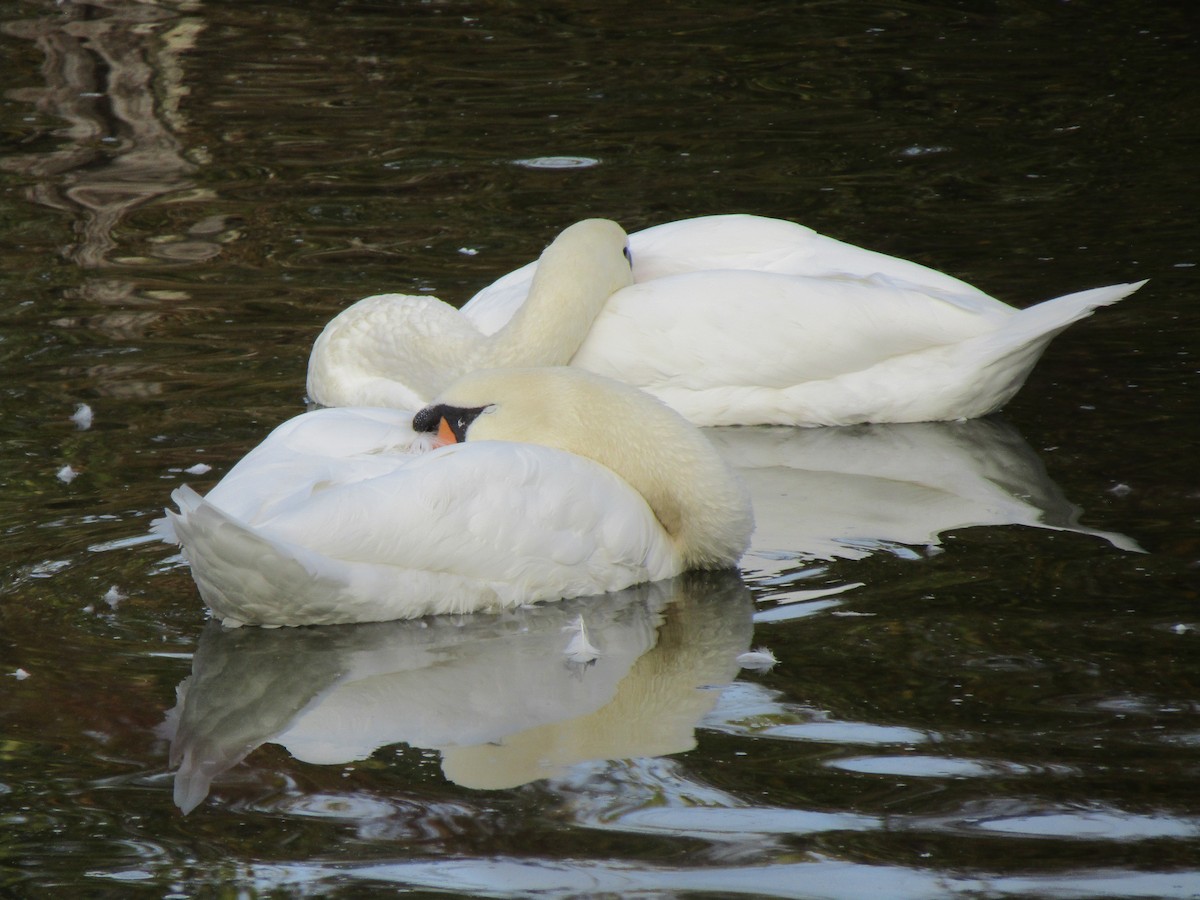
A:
[983,689]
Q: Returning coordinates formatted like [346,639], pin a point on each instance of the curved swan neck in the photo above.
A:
[702,505]
[575,276]
[396,350]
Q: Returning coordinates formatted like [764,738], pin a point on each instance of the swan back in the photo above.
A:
[744,243]
[702,505]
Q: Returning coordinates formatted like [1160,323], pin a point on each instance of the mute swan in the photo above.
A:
[558,483]
[398,350]
[741,319]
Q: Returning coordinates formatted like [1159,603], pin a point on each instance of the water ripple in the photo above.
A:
[1018,818]
[816,877]
[557,162]
[742,823]
[751,710]
[932,767]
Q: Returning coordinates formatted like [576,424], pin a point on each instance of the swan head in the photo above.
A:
[592,251]
[696,496]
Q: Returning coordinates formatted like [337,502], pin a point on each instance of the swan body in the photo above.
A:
[399,350]
[737,242]
[740,319]
[559,484]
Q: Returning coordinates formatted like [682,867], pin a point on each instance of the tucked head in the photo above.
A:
[587,249]
[555,406]
[449,423]
[694,494]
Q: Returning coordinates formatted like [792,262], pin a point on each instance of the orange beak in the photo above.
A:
[444,434]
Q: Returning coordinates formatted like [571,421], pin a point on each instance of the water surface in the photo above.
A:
[987,678]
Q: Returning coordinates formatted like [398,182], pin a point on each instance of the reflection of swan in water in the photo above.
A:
[497,695]
[844,492]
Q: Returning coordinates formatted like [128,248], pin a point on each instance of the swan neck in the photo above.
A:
[701,504]
[573,280]
[706,512]
[551,324]
[699,500]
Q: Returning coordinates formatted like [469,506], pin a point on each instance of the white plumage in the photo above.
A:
[567,485]
[741,319]
[401,351]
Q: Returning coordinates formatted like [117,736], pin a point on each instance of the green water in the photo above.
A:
[1007,705]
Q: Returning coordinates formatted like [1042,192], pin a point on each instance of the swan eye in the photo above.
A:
[628,255]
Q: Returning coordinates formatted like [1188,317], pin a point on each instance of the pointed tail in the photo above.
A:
[1052,316]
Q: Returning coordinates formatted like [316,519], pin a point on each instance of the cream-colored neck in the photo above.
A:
[700,502]
[575,276]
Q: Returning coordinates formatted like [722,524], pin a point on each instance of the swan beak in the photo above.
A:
[445,434]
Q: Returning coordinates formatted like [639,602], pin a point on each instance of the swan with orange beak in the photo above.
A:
[544,484]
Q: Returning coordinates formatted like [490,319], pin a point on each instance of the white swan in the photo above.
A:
[741,319]
[400,351]
[566,485]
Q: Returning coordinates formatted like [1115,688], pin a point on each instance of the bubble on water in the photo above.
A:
[916,150]
[557,162]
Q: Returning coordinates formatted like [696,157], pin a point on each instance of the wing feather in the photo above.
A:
[370,530]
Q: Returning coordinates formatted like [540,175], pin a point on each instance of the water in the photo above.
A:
[984,687]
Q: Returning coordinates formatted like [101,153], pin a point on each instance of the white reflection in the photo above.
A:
[498,696]
[831,493]
[1087,822]
[752,710]
[113,75]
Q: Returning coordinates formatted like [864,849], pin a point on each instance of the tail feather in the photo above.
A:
[1004,358]
[1052,316]
[965,380]
[1025,335]
[231,563]
[247,575]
